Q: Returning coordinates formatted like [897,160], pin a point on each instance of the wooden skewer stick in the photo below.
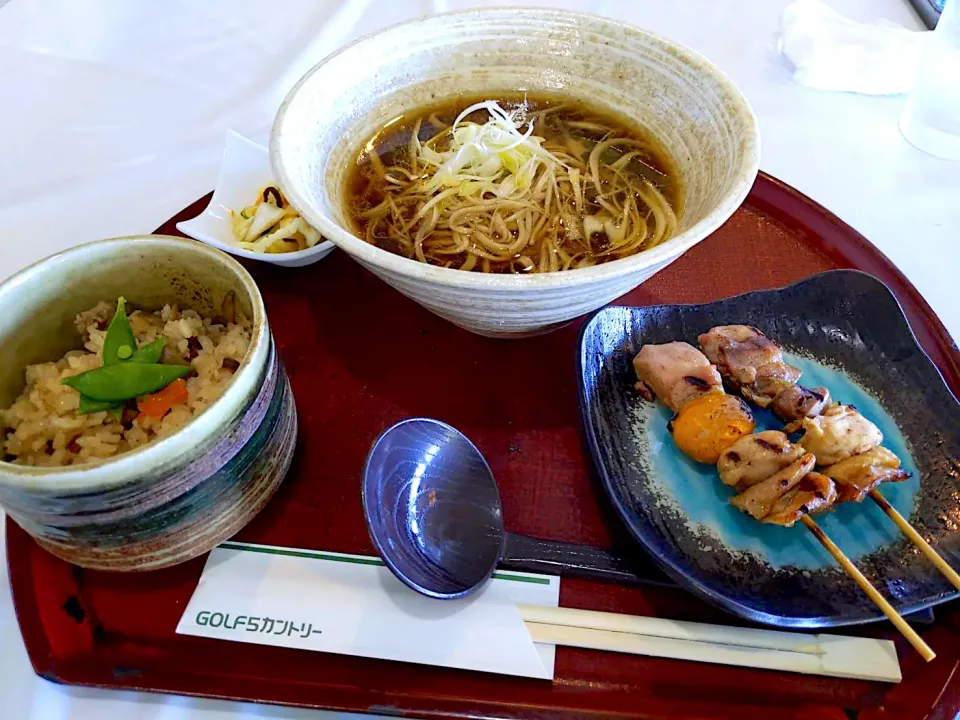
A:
[879,600]
[932,555]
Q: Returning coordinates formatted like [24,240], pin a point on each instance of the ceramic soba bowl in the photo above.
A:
[180,495]
[695,111]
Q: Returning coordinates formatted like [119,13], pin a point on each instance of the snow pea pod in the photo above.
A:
[125,381]
[119,339]
[149,353]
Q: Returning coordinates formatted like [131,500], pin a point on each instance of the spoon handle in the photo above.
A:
[550,557]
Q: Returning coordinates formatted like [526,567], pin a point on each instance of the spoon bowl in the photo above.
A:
[433,508]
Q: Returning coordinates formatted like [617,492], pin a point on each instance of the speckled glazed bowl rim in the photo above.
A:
[746,173]
[104,474]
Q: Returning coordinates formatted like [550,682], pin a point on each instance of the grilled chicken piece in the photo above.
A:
[797,402]
[858,475]
[772,380]
[815,492]
[837,434]
[756,457]
[676,372]
[750,361]
[739,350]
[758,500]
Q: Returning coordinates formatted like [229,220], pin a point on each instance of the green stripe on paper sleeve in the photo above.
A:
[313,555]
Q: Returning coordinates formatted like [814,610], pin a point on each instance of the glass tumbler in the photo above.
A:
[931,117]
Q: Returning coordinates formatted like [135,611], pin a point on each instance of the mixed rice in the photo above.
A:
[42,427]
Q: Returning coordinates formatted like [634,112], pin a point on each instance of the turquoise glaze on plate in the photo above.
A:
[859,529]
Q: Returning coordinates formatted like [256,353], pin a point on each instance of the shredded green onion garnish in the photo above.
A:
[493,158]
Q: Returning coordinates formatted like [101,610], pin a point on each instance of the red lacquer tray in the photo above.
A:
[360,357]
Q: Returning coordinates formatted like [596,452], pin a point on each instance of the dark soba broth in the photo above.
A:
[491,195]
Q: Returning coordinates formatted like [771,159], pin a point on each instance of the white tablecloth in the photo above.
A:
[113,120]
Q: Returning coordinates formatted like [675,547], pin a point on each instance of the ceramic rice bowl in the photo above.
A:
[699,116]
[182,494]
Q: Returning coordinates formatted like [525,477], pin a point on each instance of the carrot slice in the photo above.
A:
[159,403]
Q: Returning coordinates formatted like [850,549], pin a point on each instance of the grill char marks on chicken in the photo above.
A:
[749,361]
[758,500]
[675,372]
[814,493]
[797,402]
[753,365]
[756,457]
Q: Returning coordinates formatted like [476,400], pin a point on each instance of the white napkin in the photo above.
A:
[353,605]
[831,52]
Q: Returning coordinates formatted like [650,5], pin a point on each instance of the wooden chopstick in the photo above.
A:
[881,602]
[907,529]
[830,655]
[672,629]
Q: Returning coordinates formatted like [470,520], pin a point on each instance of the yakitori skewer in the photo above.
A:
[907,529]
[774,477]
[926,652]
[844,441]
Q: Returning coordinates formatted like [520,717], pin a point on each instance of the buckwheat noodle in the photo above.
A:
[541,188]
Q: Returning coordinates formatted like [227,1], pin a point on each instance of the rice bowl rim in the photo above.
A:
[134,464]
